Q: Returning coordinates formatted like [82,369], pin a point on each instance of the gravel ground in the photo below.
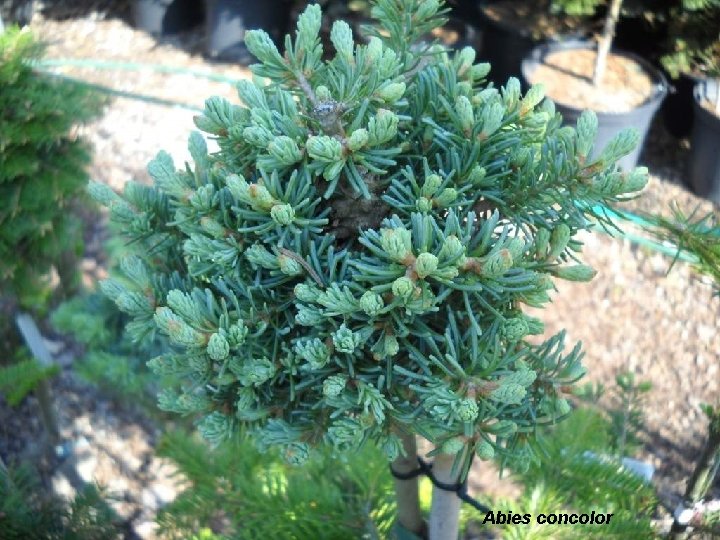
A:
[633,316]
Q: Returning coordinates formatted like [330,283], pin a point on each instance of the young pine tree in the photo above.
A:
[352,265]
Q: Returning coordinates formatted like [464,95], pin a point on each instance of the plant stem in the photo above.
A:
[707,466]
[704,473]
[445,510]
[406,491]
[606,40]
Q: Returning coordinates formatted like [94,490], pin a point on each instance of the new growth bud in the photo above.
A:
[282,214]
[464,110]
[323,93]
[345,340]
[485,451]
[431,185]
[324,148]
[515,329]
[391,92]
[403,287]
[306,293]
[425,264]
[467,410]
[558,241]
[496,264]
[382,127]
[334,385]
[371,303]
[453,446]
[358,140]
[397,243]
[218,347]
[577,272]
[452,250]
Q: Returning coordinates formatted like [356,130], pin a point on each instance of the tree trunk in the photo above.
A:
[606,40]
[445,510]
[406,491]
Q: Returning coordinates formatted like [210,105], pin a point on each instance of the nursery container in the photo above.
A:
[18,12]
[705,156]
[456,34]
[505,42]
[504,46]
[609,124]
[677,109]
[165,17]
[227,21]
[638,35]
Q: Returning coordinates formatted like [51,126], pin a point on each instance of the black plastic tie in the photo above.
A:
[460,488]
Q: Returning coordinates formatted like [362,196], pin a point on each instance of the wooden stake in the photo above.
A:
[445,510]
[33,339]
[406,491]
[606,40]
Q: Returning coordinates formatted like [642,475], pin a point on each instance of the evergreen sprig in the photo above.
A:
[20,378]
[693,234]
[354,261]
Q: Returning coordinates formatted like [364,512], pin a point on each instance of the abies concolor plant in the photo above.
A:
[352,265]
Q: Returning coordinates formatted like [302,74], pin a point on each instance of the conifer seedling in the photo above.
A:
[352,266]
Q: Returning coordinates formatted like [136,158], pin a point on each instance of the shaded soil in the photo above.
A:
[533,19]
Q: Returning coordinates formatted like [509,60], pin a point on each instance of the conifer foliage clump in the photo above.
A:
[42,164]
[353,263]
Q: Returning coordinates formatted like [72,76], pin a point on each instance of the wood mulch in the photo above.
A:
[568,79]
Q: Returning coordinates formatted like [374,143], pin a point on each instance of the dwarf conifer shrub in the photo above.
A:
[352,265]
[42,165]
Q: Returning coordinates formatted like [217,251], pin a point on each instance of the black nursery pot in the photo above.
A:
[609,124]
[18,12]
[504,46]
[705,155]
[166,17]
[455,34]
[677,108]
[227,21]
[638,36]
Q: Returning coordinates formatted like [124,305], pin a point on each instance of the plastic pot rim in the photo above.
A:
[701,92]
[651,103]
